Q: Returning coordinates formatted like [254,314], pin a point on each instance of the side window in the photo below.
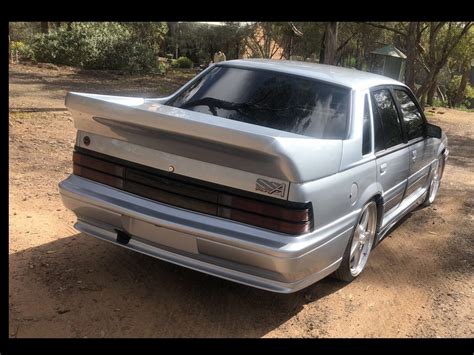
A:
[379,143]
[392,130]
[411,115]
[366,133]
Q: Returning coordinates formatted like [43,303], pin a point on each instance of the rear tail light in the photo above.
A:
[266,209]
[278,225]
[265,215]
[98,164]
[98,170]
[98,176]
[282,216]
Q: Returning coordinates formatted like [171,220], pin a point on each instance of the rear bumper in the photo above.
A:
[223,248]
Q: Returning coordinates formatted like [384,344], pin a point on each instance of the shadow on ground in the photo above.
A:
[86,279]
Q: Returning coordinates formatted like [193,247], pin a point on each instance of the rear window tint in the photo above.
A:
[392,130]
[270,99]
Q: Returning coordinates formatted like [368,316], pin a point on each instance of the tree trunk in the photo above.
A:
[322,49]
[359,56]
[427,86]
[440,94]
[237,50]
[431,92]
[290,51]
[330,43]
[462,85]
[411,55]
[45,27]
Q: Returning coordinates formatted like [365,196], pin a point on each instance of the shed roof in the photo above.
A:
[391,51]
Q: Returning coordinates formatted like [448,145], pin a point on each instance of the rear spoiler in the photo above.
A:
[297,154]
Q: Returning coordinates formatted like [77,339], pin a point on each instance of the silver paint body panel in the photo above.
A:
[326,173]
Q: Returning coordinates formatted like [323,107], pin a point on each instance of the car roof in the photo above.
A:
[351,78]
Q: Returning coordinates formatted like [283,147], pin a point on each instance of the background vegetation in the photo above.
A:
[438,65]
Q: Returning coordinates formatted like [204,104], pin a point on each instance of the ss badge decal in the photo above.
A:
[271,187]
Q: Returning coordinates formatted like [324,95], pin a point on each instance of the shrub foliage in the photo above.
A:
[102,45]
[182,62]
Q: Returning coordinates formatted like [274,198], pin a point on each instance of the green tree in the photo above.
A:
[264,39]
[442,38]
[460,62]
[199,41]
[307,39]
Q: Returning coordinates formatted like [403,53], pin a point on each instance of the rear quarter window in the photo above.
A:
[366,132]
[271,99]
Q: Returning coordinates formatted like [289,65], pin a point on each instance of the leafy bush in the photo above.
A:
[86,45]
[452,90]
[102,45]
[23,49]
[469,98]
[162,68]
[439,103]
[184,62]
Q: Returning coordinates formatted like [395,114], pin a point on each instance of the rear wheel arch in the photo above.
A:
[373,193]
[379,202]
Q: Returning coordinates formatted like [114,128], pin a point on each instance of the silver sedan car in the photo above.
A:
[273,174]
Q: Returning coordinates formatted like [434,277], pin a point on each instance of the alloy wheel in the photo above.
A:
[363,239]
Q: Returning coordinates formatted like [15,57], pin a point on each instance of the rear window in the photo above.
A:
[270,99]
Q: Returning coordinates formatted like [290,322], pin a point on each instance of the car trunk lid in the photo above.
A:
[230,153]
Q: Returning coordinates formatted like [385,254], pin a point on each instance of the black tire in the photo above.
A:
[344,272]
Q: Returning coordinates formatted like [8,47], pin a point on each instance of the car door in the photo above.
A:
[418,150]
[390,148]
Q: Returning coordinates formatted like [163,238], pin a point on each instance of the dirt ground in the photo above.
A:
[418,282]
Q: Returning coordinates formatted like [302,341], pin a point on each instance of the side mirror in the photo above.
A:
[433,131]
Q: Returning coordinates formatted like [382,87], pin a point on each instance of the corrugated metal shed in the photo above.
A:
[390,62]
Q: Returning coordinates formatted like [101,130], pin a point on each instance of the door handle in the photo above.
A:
[383,168]
[413,155]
